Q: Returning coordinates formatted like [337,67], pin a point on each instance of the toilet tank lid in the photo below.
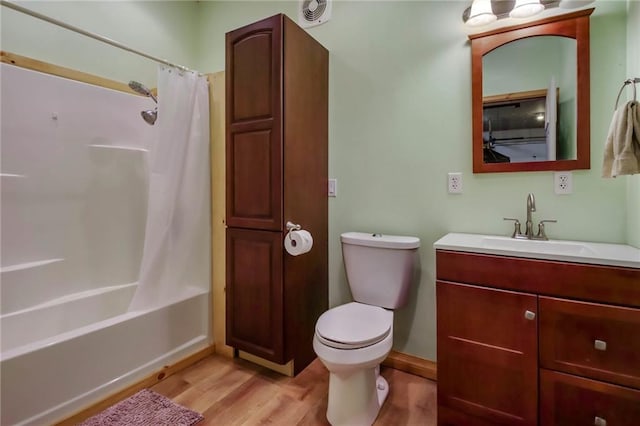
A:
[380,240]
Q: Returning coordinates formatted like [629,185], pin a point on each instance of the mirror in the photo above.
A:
[529,100]
[530,96]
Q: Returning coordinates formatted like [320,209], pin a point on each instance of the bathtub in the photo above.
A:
[64,354]
[75,179]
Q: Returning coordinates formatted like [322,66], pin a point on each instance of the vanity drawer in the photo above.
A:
[596,283]
[569,400]
[590,339]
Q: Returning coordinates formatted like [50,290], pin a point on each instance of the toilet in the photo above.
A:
[353,339]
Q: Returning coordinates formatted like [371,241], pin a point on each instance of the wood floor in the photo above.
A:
[236,392]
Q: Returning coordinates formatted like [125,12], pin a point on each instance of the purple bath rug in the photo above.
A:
[145,408]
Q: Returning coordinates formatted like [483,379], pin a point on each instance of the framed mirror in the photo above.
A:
[530,96]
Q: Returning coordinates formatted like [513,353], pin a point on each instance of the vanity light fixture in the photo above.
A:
[481,13]
[526,8]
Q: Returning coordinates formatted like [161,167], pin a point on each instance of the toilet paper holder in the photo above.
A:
[292,226]
[297,241]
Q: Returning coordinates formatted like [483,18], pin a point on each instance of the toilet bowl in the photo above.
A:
[353,339]
[356,389]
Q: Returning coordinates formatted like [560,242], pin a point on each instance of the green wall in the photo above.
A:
[633,70]
[400,119]
[163,29]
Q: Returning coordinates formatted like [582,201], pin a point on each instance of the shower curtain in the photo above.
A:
[176,247]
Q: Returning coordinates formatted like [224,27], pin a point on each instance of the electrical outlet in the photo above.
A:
[454,182]
[563,183]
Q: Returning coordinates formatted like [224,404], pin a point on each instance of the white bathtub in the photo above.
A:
[74,179]
[63,355]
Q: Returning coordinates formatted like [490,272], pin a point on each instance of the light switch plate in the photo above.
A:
[333,187]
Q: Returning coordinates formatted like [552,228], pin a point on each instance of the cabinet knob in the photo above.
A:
[599,421]
[600,345]
[529,315]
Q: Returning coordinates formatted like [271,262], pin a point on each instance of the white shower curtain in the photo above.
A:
[176,248]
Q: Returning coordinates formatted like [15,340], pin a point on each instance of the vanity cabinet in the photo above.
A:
[529,341]
[276,171]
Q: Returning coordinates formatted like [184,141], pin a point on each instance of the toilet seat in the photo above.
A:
[353,326]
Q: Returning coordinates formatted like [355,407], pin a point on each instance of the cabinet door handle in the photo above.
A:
[599,421]
[529,315]
[600,345]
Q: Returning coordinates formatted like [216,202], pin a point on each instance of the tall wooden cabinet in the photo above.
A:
[276,171]
[536,342]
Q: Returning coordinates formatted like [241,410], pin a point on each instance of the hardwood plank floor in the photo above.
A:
[234,392]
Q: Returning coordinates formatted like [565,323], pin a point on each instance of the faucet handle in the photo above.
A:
[541,234]
[516,226]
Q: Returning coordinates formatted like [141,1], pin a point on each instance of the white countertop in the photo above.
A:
[570,251]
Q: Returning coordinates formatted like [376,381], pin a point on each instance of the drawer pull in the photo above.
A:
[600,345]
[599,421]
[529,315]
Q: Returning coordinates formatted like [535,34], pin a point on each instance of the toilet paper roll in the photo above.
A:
[298,242]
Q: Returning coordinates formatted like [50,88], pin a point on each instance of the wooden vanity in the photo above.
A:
[526,341]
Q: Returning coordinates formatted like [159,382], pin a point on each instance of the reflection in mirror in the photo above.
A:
[520,123]
[530,95]
[515,130]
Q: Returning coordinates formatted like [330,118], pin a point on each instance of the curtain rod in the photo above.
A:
[91,35]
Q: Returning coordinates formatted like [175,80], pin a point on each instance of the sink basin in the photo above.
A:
[537,246]
[570,251]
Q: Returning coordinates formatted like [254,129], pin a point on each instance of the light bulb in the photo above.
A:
[526,8]
[481,13]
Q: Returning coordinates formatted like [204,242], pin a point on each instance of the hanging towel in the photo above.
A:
[622,149]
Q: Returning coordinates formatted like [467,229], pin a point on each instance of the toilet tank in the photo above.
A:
[380,268]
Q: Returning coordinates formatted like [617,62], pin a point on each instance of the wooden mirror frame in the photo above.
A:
[573,25]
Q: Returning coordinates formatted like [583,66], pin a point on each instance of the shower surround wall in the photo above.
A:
[74,206]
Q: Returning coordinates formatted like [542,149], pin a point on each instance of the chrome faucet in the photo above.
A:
[531,207]
[528,232]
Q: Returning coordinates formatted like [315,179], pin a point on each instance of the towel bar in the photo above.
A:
[633,82]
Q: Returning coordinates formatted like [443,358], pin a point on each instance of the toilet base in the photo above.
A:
[382,388]
[355,397]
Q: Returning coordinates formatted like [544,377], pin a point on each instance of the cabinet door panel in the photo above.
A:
[253,94]
[487,353]
[254,71]
[254,293]
[449,417]
[569,331]
[568,400]
[254,180]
